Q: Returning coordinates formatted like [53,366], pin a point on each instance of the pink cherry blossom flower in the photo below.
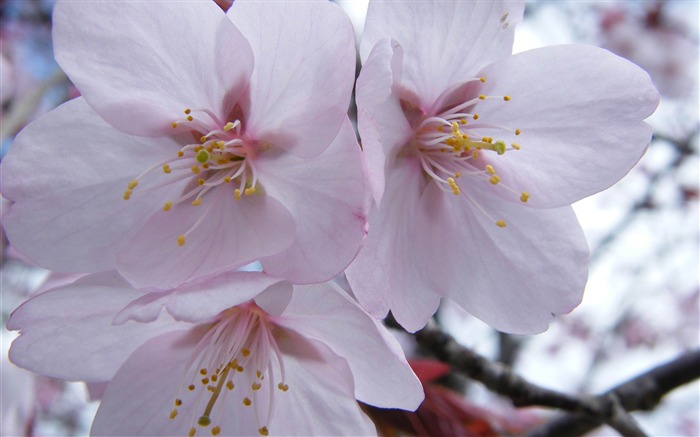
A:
[201,142]
[475,156]
[240,354]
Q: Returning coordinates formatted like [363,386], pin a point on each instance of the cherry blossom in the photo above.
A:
[202,141]
[240,354]
[475,156]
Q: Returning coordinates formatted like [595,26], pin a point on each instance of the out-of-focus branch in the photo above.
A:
[685,149]
[643,392]
[21,110]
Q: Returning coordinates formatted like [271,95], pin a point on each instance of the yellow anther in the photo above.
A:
[463,121]
[506,98]
[258,374]
[482,97]
[214,377]
[204,421]
[524,196]
[215,431]
[187,111]
[282,386]
[245,352]
[190,118]
[495,179]
[133,184]
[197,201]
[192,432]
[197,149]
[264,431]
[203,372]
[517,131]
[483,79]
[229,385]
[475,116]
[457,175]
[181,240]
[166,169]
[490,170]
[228,126]
[247,402]
[501,223]
[178,402]
[173,124]
[195,169]
[256,386]
[205,165]
[455,188]
[205,381]
[180,153]
[249,191]
[127,195]
[211,388]
[487,139]
[475,154]
[516,146]
[203,139]
[455,127]
[240,369]
[190,387]
[237,194]
[227,180]
[173,414]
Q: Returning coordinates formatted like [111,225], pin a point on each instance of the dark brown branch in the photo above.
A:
[642,392]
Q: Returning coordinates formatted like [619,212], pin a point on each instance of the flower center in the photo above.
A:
[220,155]
[451,150]
[237,358]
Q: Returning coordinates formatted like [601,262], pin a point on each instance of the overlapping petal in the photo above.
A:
[68,332]
[578,137]
[327,196]
[514,278]
[380,120]
[139,65]
[391,271]
[444,43]
[223,233]
[66,173]
[303,75]
[382,375]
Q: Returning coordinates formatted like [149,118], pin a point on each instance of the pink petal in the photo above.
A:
[383,378]
[581,112]
[140,397]
[304,72]
[232,233]
[201,301]
[514,278]
[321,399]
[140,64]
[389,272]
[326,196]
[381,122]
[444,43]
[71,217]
[68,332]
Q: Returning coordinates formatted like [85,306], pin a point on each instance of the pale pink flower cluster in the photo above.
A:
[204,141]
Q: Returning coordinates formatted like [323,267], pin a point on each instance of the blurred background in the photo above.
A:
[642,303]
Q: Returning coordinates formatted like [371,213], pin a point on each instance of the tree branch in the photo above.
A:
[642,392]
